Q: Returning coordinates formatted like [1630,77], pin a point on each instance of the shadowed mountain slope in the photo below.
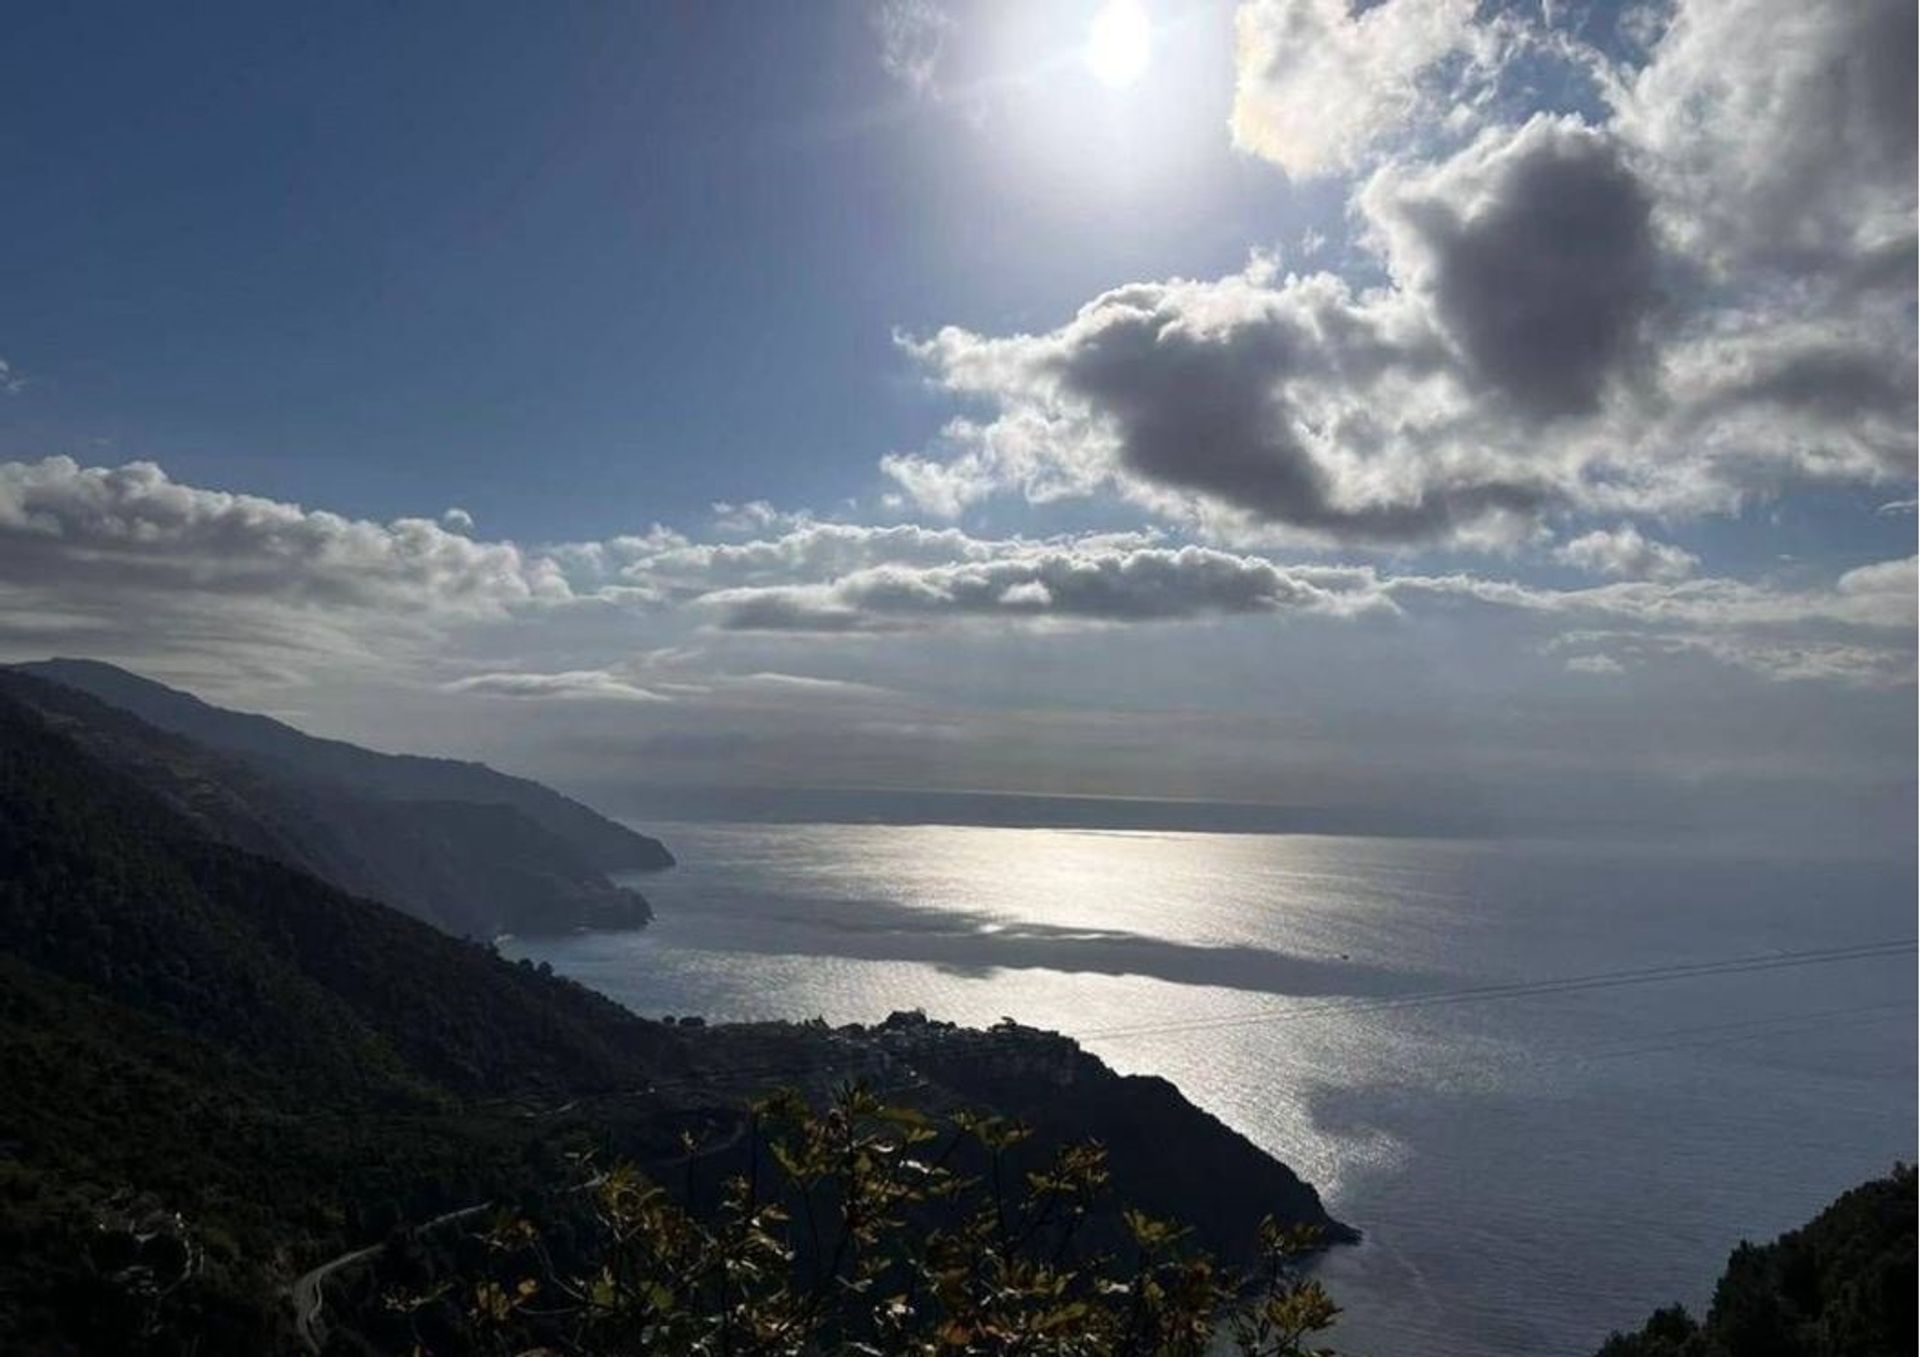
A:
[1841,1285]
[608,846]
[222,1060]
[474,851]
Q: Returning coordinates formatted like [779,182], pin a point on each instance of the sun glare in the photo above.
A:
[1119,42]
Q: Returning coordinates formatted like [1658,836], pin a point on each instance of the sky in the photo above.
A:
[1422,409]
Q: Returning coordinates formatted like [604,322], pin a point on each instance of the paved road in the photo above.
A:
[309,1288]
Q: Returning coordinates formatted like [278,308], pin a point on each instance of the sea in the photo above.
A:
[1553,1083]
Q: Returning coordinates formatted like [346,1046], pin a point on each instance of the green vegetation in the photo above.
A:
[188,1031]
[217,1072]
[866,1228]
[463,847]
[1842,1286]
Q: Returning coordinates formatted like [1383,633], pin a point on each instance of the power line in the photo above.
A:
[1755,1029]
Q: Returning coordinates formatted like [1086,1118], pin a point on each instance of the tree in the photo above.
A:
[868,1228]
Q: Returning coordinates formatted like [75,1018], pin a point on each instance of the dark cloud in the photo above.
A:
[1206,410]
[1702,296]
[1289,403]
[1540,257]
[1833,380]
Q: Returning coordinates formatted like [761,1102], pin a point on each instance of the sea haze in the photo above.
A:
[1534,1162]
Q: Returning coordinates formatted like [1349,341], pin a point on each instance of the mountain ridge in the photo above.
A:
[277,1072]
[613,846]
[472,850]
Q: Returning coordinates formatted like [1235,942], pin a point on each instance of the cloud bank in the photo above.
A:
[124,558]
[1051,583]
[133,529]
[1694,292]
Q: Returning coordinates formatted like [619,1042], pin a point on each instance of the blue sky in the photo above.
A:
[572,269]
[895,392]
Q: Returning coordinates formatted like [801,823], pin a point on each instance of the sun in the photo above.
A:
[1119,42]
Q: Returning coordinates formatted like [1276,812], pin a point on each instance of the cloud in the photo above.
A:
[12,383]
[1051,584]
[1317,83]
[1536,253]
[134,528]
[754,516]
[913,35]
[126,563]
[668,567]
[1779,661]
[1241,402]
[1858,630]
[1782,134]
[772,681]
[679,676]
[1629,311]
[1876,598]
[1778,142]
[456,520]
[568,685]
[1625,552]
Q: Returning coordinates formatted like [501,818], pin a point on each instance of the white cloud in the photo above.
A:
[1872,599]
[1781,133]
[1651,315]
[123,562]
[1055,583]
[133,528]
[567,685]
[1242,403]
[1317,83]
[1625,551]
[913,35]
[678,675]
[755,516]
[1780,661]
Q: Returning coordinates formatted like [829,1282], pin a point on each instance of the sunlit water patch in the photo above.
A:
[1533,1162]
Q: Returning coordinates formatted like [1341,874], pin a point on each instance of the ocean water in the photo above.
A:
[1553,1084]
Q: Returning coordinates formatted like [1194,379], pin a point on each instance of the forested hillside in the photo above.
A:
[216,1071]
[459,845]
[1841,1286]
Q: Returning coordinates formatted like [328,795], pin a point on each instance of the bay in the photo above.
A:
[1553,1083]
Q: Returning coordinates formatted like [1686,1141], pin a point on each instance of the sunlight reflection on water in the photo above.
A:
[1520,1194]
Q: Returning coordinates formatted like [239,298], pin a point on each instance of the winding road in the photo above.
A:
[308,1289]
